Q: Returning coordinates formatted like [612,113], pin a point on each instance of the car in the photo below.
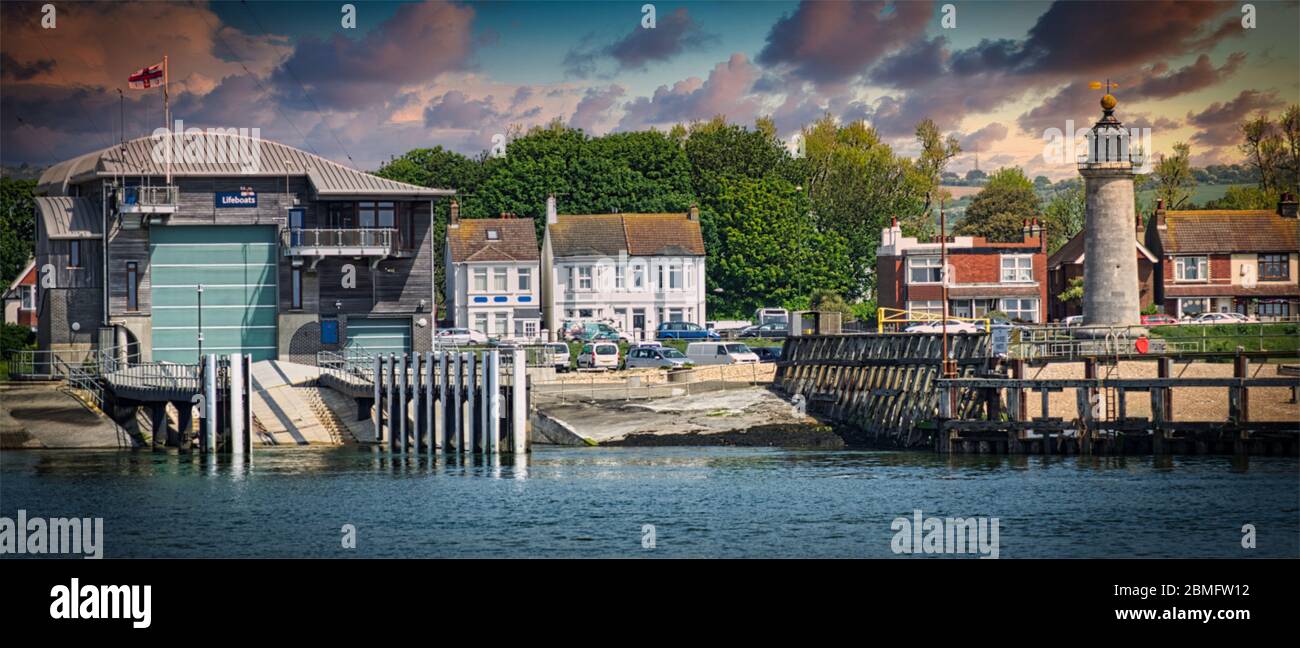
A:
[769,330]
[767,353]
[588,331]
[598,355]
[658,357]
[556,354]
[684,331]
[1073,320]
[459,337]
[954,326]
[711,353]
[1222,318]
[1158,319]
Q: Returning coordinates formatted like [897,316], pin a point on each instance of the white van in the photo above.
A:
[598,355]
[711,353]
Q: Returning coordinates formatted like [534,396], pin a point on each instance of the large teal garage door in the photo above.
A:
[236,266]
[379,335]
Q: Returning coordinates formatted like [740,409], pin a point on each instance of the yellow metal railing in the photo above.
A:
[898,317]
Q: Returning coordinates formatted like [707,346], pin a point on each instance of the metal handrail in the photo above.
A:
[340,238]
[148,196]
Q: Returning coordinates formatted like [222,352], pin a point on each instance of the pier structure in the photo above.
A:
[887,390]
[463,402]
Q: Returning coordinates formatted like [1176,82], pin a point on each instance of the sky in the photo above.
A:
[996,75]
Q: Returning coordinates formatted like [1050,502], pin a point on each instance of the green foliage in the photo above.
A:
[828,300]
[999,210]
[1173,177]
[1243,197]
[1074,292]
[14,337]
[1227,337]
[1064,217]
[1150,309]
[768,252]
[857,185]
[17,226]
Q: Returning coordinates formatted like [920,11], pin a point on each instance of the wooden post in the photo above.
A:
[390,376]
[402,376]
[430,418]
[377,418]
[237,405]
[444,411]
[417,401]
[208,441]
[454,402]
[467,427]
[519,404]
[493,408]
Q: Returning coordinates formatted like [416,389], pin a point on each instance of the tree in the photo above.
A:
[769,251]
[974,176]
[1064,217]
[17,226]
[1273,150]
[1243,198]
[936,152]
[1042,183]
[857,185]
[1173,177]
[824,299]
[999,210]
[1074,292]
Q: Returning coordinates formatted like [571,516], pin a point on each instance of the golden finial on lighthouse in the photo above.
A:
[1108,100]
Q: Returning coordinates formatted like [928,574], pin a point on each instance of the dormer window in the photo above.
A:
[493,235]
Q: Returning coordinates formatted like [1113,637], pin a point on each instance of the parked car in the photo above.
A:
[1222,318]
[659,357]
[588,331]
[769,330]
[598,355]
[556,354]
[954,326]
[459,337]
[1073,320]
[767,353]
[684,331]
[711,353]
[1158,319]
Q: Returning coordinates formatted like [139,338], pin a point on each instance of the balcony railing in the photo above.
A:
[340,242]
[147,200]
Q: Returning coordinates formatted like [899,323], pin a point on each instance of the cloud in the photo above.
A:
[12,69]
[983,138]
[455,110]
[725,92]
[1198,75]
[415,45]
[672,35]
[833,42]
[914,65]
[1220,123]
[595,106]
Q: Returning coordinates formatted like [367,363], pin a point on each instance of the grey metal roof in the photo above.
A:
[223,154]
[69,218]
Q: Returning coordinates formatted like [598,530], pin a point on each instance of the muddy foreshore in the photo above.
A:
[778,435]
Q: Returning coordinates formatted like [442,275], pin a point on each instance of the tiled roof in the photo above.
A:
[235,156]
[635,234]
[1211,231]
[69,218]
[517,240]
[1073,251]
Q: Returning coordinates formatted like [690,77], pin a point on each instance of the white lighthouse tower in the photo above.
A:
[1110,277]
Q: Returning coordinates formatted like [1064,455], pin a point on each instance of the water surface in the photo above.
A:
[726,502]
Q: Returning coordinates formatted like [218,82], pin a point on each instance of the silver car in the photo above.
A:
[656,358]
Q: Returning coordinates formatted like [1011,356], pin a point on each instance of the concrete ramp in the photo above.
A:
[47,415]
[287,407]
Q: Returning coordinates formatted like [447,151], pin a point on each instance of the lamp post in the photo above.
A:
[949,368]
[200,314]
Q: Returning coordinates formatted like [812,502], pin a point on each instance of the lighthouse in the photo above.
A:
[1110,275]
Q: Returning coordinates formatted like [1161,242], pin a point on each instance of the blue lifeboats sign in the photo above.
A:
[243,198]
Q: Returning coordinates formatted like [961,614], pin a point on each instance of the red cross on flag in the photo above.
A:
[146,78]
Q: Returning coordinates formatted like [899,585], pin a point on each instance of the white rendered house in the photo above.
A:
[634,271]
[493,276]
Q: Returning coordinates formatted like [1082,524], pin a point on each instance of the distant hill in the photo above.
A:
[21,172]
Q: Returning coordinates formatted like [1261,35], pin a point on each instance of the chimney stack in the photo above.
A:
[693,214]
[1286,206]
[1160,213]
[455,213]
[552,217]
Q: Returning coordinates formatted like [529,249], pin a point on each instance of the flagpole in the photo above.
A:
[167,120]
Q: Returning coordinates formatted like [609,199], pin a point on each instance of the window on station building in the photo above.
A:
[1017,268]
[1274,267]
[1020,309]
[1191,268]
[924,270]
[132,286]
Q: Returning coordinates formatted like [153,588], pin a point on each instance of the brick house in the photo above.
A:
[1242,261]
[1066,264]
[20,298]
[985,276]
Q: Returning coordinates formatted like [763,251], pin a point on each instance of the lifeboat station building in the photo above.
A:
[232,245]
